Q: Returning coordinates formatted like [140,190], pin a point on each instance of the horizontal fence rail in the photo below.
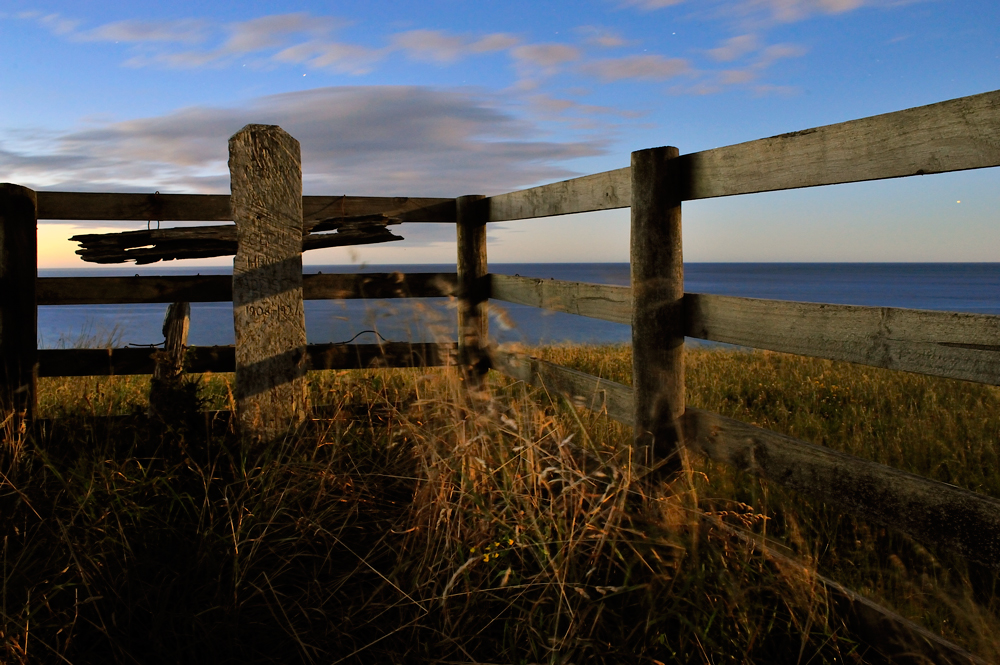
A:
[215,207]
[598,301]
[949,344]
[601,191]
[953,345]
[928,510]
[200,359]
[956,135]
[219,288]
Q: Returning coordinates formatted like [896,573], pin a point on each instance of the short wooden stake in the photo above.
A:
[657,308]
[473,321]
[18,311]
[266,178]
[166,385]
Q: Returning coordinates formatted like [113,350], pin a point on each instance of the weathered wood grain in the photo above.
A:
[598,301]
[600,191]
[219,288]
[265,171]
[199,359]
[215,207]
[584,390]
[151,245]
[949,136]
[930,511]
[657,263]
[948,344]
[18,313]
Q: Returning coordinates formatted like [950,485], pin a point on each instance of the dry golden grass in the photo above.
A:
[417,523]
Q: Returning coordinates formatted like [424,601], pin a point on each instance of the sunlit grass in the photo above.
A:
[415,522]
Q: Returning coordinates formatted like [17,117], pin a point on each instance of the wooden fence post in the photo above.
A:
[473,321]
[18,311]
[657,309]
[265,170]
[166,386]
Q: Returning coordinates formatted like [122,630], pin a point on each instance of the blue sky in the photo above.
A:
[452,98]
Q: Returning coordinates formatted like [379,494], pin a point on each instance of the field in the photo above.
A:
[416,522]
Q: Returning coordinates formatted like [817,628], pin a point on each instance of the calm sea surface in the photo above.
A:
[958,287]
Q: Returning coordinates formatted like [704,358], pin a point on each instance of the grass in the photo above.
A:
[419,523]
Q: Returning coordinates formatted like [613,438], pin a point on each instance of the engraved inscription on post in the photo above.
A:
[269,320]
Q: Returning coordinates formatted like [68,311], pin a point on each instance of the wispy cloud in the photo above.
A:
[601,37]
[55,23]
[332,56]
[360,140]
[188,31]
[650,5]
[444,47]
[283,38]
[546,56]
[636,67]
[734,48]
[759,13]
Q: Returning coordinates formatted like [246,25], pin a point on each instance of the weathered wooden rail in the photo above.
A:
[950,136]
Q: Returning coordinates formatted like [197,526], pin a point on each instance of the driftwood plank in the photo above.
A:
[598,301]
[215,207]
[949,344]
[152,245]
[928,510]
[600,191]
[199,359]
[954,135]
[219,288]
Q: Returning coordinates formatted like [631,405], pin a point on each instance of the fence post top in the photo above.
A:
[270,130]
[10,189]
[665,151]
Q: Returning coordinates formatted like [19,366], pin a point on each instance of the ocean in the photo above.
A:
[957,287]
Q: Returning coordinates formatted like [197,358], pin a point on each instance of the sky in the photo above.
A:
[447,98]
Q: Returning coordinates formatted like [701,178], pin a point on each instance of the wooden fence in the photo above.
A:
[949,136]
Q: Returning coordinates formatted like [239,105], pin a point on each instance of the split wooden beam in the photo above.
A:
[199,242]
